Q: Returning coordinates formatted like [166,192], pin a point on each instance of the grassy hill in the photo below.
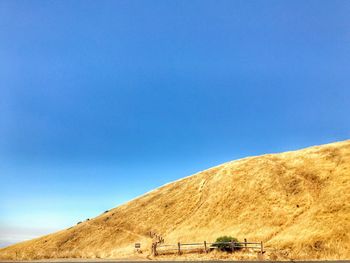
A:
[296,202]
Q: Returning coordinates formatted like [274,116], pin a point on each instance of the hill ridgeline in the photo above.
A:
[297,203]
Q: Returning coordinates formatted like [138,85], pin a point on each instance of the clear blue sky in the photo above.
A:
[101,101]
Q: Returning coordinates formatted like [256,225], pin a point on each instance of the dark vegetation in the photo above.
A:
[227,243]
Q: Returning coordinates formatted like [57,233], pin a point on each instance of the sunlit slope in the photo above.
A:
[297,202]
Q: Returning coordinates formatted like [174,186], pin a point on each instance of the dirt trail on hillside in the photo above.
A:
[297,203]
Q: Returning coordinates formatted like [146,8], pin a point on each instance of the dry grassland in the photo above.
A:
[297,203]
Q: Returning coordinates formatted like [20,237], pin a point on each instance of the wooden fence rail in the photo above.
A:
[206,246]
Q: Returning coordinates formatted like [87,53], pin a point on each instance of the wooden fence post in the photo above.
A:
[262,247]
[232,245]
[178,248]
[154,249]
[205,246]
[245,244]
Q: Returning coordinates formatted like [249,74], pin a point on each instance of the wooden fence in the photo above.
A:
[205,247]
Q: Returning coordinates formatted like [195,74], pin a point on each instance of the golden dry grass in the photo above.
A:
[298,203]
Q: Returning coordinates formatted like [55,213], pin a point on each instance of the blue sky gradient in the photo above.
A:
[101,101]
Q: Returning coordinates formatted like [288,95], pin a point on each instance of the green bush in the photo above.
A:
[224,243]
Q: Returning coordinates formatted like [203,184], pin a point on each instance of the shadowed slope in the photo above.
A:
[298,202]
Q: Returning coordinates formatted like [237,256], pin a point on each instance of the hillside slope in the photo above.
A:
[297,202]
